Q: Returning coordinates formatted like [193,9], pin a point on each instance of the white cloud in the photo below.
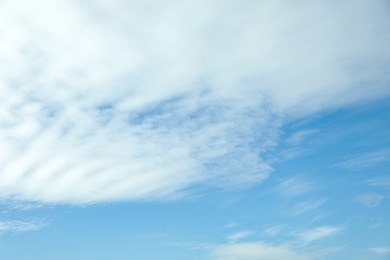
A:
[231,224]
[120,100]
[306,206]
[239,235]
[311,235]
[295,186]
[298,137]
[273,231]
[380,181]
[264,251]
[257,251]
[376,225]
[16,226]
[365,160]
[194,245]
[371,200]
[381,250]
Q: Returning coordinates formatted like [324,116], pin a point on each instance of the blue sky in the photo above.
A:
[254,130]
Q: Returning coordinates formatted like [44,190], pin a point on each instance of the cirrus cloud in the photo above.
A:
[128,100]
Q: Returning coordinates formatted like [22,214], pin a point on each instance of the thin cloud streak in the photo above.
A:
[381,250]
[273,231]
[298,137]
[380,181]
[306,206]
[365,160]
[295,186]
[16,226]
[314,234]
[239,235]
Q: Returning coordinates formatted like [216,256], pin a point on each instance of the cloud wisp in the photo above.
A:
[239,235]
[306,206]
[308,236]
[365,160]
[370,200]
[380,181]
[298,137]
[380,250]
[295,187]
[16,226]
[273,231]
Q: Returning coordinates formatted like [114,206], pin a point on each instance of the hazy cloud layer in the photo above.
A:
[118,100]
[264,251]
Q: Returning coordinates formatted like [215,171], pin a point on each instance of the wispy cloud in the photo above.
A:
[376,225]
[295,186]
[260,250]
[80,158]
[231,224]
[381,250]
[311,235]
[16,226]
[298,137]
[365,160]
[273,231]
[239,235]
[380,181]
[306,206]
[122,100]
[370,200]
[194,245]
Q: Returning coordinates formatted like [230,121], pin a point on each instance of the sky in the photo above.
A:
[207,129]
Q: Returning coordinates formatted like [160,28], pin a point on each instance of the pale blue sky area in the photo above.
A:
[165,130]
